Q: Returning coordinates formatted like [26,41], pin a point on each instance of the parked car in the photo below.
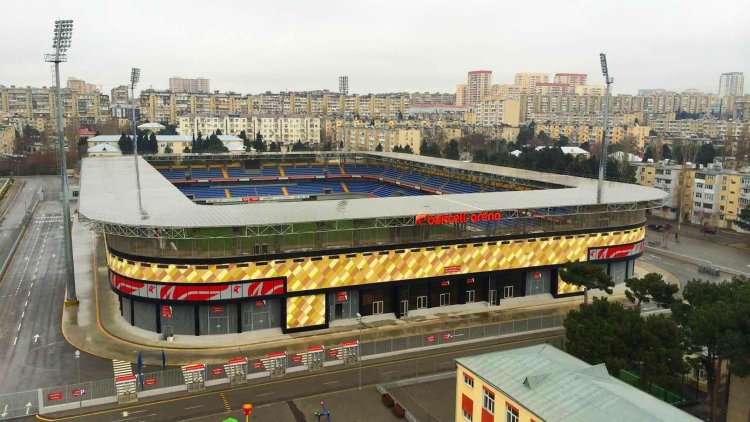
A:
[709,230]
[708,270]
[660,227]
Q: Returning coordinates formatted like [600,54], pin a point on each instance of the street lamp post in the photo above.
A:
[80,390]
[61,43]
[135,75]
[359,350]
[603,154]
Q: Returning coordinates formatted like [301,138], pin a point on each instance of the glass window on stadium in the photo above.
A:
[375,301]
[618,271]
[260,314]
[509,284]
[538,281]
[476,289]
[343,304]
[445,293]
[177,319]
[218,319]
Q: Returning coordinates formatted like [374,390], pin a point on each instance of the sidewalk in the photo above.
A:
[95,326]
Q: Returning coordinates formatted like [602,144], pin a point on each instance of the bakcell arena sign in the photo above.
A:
[461,217]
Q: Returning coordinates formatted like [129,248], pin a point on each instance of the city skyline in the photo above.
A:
[385,51]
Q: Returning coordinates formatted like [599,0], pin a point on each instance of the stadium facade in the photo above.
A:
[216,244]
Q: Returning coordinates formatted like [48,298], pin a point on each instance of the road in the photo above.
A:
[212,405]
[33,352]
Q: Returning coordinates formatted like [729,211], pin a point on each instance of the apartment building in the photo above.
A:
[284,129]
[120,95]
[82,87]
[39,103]
[495,111]
[553,88]
[731,84]
[478,85]
[509,91]
[462,95]
[432,98]
[572,79]
[580,133]
[705,195]
[542,383]
[7,138]
[599,90]
[192,86]
[529,80]
[367,138]
[699,128]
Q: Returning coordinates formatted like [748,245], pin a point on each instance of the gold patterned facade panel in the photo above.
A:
[339,271]
[305,311]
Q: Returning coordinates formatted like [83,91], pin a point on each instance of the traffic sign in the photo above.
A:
[79,393]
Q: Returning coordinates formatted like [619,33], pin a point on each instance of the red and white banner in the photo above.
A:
[197,292]
[614,252]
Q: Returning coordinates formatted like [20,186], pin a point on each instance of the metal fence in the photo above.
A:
[89,393]
[15,235]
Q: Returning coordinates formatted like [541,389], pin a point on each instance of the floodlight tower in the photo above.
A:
[60,43]
[603,155]
[135,75]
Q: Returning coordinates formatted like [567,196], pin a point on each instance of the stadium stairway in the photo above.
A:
[341,167]
[343,186]
[226,176]
[286,192]
[281,171]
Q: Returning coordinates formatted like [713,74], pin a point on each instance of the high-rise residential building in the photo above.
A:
[731,84]
[478,84]
[462,95]
[344,85]
[193,86]
[120,95]
[80,86]
[572,79]
[529,80]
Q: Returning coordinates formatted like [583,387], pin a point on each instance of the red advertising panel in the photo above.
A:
[57,395]
[151,381]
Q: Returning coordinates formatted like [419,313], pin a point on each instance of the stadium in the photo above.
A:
[231,243]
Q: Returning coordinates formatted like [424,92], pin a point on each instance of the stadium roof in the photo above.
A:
[163,138]
[109,195]
[559,387]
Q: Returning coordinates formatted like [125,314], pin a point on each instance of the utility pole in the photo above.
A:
[61,42]
[603,155]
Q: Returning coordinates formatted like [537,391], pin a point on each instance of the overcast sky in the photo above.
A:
[384,46]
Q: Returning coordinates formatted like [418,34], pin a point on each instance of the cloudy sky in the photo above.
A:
[384,46]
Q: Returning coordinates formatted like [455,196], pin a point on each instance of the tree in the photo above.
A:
[429,149]
[169,129]
[706,154]
[563,141]
[480,156]
[152,145]
[242,135]
[397,148]
[713,317]
[586,275]
[586,145]
[648,154]
[168,149]
[218,132]
[451,150]
[125,144]
[603,332]
[651,287]
[606,332]
[408,150]
[186,150]
[743,220]
[379,148]
[666,152]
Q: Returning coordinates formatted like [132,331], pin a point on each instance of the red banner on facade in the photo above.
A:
[614,252]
